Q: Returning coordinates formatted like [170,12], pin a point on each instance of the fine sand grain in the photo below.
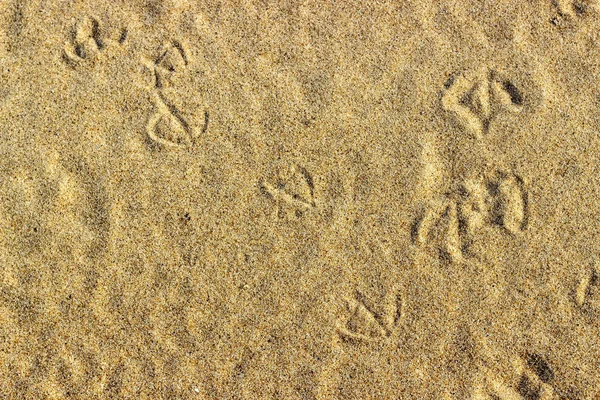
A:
[300,199]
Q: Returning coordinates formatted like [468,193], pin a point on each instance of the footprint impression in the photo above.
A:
[453,223]
[531,378]
[568,13]
[369,322]
[89,42]
[170,125]
[292,190]
[477,98]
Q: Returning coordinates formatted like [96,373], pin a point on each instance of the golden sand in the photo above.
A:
[300,199]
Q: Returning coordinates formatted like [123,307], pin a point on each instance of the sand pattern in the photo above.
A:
[299,200]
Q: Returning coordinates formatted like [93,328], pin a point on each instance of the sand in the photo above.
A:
[299,199]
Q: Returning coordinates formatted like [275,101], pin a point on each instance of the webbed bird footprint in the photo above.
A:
[89,42]
[365,323]
[177,121]
[168,126]
[477,98]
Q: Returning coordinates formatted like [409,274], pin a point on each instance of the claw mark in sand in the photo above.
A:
[477,98]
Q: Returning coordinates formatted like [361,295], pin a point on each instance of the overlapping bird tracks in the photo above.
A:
[367,325]
[476,98]
[500,200]
[88,43]
[167,126]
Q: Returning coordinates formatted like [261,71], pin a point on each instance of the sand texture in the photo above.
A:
[248,199]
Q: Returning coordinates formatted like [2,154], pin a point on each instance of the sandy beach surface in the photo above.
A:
[294,199]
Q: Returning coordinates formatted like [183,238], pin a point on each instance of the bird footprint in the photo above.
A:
[89,43]
[365,323]
[168,126]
